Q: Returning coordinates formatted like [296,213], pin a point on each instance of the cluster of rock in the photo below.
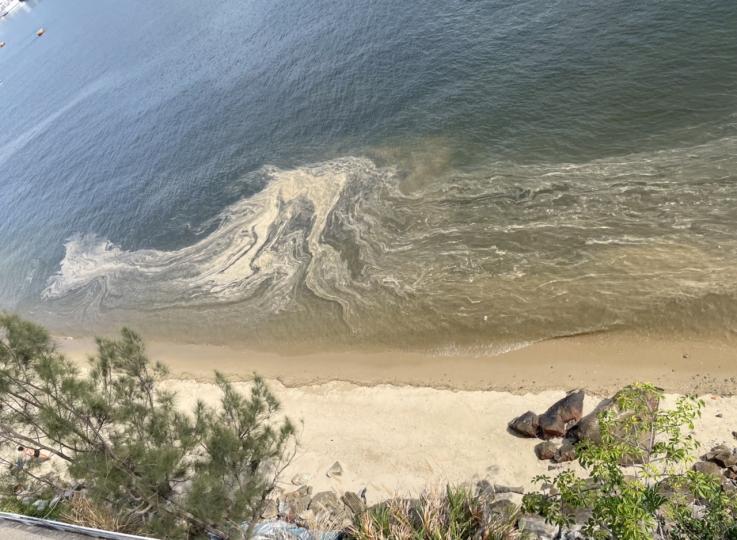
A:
[307,511]
[720,462]
[562,420]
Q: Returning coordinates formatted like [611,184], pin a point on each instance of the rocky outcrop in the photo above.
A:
[720,461]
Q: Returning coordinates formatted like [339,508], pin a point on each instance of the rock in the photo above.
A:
[555,421]
[514,498]
[484,488]
[270,509]
[552,427]
[306,519]
[26,501]
[336,469]
[721,455]
[330,512]
[734,434]
[500,510]
[325,500]
[570,408]
[566,452]
[299,479]
[353,502]
[708,467]
[525,425]
[40,505]
[499,488]
[587,429]
[294,503]
[545,450]
[537,526]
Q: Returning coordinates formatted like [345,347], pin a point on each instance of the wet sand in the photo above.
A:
[599,363]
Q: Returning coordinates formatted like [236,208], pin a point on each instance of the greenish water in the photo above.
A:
[447,175]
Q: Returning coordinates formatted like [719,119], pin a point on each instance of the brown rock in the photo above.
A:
[560,415]
[708,467]
[721,455]
[570,408]
[546,450]
[525,425]
[587,429]
[566,452]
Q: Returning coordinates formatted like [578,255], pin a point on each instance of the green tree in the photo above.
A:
[121,435]
[634,503]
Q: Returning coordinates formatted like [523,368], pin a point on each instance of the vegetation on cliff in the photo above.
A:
[126,445]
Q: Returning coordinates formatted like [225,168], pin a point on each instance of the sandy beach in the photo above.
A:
[399,423]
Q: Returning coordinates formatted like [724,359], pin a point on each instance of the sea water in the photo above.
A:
[446,175]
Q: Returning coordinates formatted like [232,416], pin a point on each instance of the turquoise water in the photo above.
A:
[444,175]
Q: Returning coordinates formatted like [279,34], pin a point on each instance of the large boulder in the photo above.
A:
[555,421]
[525,425]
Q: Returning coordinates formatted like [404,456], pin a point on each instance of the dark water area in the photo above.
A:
[438,175]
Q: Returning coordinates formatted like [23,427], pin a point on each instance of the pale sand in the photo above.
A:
[401,440]
[436,421]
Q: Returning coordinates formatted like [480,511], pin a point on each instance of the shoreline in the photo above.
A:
[408,422]
[599,363]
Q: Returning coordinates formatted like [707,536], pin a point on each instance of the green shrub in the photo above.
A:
[634,503]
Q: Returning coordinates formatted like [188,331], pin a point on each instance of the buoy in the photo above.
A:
[40,32]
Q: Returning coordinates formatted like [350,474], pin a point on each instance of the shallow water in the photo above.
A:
[457,175]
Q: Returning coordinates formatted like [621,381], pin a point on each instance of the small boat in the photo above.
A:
[40,32]
[2,44]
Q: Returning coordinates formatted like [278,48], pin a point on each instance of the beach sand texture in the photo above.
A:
[401,423]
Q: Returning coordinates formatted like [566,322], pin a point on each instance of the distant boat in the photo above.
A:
[40,32]
[2,44]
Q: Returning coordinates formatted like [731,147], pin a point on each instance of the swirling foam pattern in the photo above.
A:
[505,254]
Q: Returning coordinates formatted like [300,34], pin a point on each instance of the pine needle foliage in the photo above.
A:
[121,435]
